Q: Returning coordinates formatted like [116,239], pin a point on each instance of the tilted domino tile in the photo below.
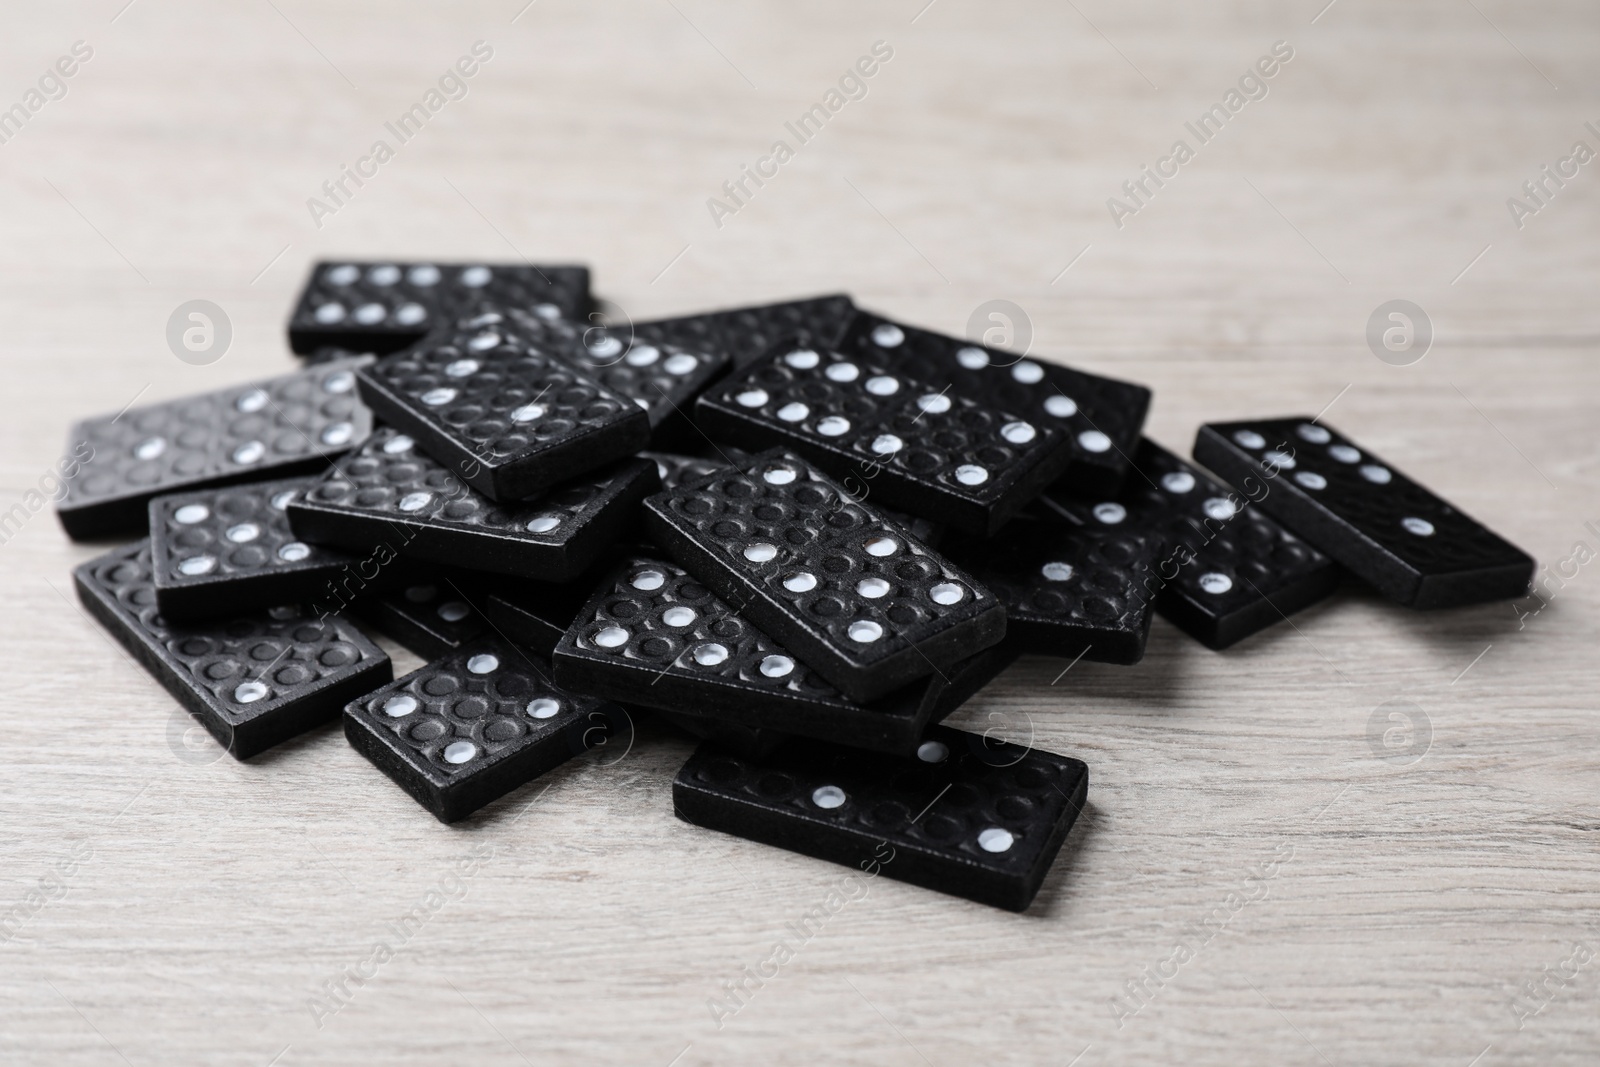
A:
[383,307]
[507,417]
[473,725]
[432,616]
[865,606]
[390,493]
[922,448]
[1068,592]
[1414,547]
[253,680]
[745,334]
[1102,416]
[536,614]
[249,432]
[963,815]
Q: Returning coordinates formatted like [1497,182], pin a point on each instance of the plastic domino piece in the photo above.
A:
[508,418]
[432,616]
[864,605]
[1102,416]
[383,307]
[745,334]
[1413,547]
[929,450]
[964,815]
[390,495]
[473,725]
[251,432]
[252,680]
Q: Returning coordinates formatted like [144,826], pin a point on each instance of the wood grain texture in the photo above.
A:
[209,904]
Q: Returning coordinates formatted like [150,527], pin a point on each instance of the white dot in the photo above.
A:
[1249,439]
[1177,481]
[339,433]
[397,444]
[883,385]
[882,546]
[1420,527]
[680,364]
[752,398]
[829,796]
[249,692]
[1344,453]
[1018,433]
[971,474]
[483,663]
[842,372]
[1219,508]
[423,275]
[793,411]
[547,312]
[1062,407]
[417,594]
[605,347]
[649,580]
[1094,441]
[710,654]
[1110,513]
[190,514]
[972,358]
[484,341]
[409,314]
[1311,479]
[1057,572]
[197,565]
[243,533]
[1281,460]
[442,395]
[934,403]
[933,752]
[865,631]
[399,705]
[642,355]
[678,616]
[460,368]
[802,582]
[1375,474]
[1215,583]
[543,523]
[802,359]
[887,335]
[947,593]
[543,708]
[387,274]
[249,452]
[872,588]
[281,500]
[760,552]
[343,274]
[778,475]
[1315,434]
[459,751]
[833,426]
[1028,372]
[294,551]
[255,400]
[453,611]
[475,277]
[415,501]
[340,381]
[329,313]
[371,314]
[611,637]
[887,444]
[527,413]
[777,666]
[150,448]
[994,839]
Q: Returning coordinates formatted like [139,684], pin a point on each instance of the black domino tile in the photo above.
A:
[1412,546]
[432,614]
[383,307]
[744,334]
[251,432]
[536,614]
[963,816]
[907,444]
[254,679]
[508,417]
[389,493]
[864,605]
[473,725]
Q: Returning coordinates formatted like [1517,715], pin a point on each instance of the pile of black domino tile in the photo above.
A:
[800,531]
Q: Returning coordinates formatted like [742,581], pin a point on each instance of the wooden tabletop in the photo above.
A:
[1270,870]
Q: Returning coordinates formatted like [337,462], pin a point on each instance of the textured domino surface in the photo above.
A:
[390,494]
[927,449]
[676,470]
[433,615]
[383,307]
[745,334]
[508,417]
[249,432]
[1101,416]
[1414,547]
[254,680]
[865,606]
[473,725]
[964,815]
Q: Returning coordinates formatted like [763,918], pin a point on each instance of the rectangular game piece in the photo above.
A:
[383,307]
[1413,547]
[390,493]
[964,815]
[744,334]
[1067,592]
[254,679]
[852,596]
[508,418]
[928,450]
[536,614]
[432,616]
[1101,416]
[269,429]
[473,725]
[654,636]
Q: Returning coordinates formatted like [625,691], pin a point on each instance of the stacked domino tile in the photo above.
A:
[801,532]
